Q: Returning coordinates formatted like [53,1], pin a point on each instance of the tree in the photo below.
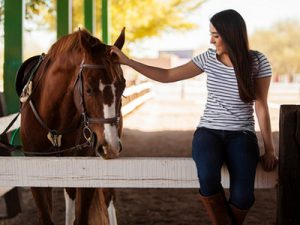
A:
[141,18]
[36,10]
[279,44]
[151,17]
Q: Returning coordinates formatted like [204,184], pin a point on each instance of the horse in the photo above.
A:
[71,106]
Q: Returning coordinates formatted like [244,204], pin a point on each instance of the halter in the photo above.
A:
[55,136]
[87,120]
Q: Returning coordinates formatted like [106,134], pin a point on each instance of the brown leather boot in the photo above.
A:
[217,208]
[238,215]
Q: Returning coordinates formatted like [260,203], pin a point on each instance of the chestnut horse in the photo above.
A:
[71,106]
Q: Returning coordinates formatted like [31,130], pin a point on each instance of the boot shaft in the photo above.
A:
[238,215]
[217,208]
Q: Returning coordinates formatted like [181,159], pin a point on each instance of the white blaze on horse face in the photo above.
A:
[110,131]
[70,209]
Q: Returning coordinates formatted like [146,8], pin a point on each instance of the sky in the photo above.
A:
[258,14]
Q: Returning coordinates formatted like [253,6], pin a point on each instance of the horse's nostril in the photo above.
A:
[121,148]
[99,151]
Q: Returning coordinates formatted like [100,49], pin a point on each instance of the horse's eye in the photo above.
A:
[89,91]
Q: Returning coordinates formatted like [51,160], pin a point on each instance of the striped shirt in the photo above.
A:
[224,110]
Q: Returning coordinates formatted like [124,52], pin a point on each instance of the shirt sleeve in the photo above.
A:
[264,66]
[200,60]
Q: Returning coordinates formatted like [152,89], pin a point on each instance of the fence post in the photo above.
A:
[63,17]
[106,21]
[89,15]
[12,202]
[288,206]
[13,46]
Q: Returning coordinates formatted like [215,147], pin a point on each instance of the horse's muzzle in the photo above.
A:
[107,152]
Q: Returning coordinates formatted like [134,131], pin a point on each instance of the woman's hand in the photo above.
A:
[269,161]
[122,58]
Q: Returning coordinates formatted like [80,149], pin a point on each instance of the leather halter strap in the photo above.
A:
[86,118]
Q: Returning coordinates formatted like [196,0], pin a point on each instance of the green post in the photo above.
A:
[89,15]
[105,21]
[13,45]
[63,17]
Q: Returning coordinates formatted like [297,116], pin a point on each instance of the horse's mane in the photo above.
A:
[74,42]
[83,42]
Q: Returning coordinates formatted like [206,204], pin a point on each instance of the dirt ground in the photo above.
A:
[171,137]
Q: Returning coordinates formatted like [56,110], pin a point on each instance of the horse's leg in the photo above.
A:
[43,201]
[110,196]
[98,214]
[84,198]
[70,195]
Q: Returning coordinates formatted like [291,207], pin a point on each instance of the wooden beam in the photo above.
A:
[89,15]
[63,17]
[13,46]
[289,165]
[119,173]
[12,201]
[10,194]
[106,21]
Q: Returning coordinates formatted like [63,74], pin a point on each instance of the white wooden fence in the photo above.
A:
[138,94]
[120,173]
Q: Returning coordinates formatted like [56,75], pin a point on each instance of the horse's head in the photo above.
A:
[98,91]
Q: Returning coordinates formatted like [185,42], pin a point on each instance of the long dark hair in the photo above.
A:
[233,31]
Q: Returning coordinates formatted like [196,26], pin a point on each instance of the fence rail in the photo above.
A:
[138,172]
[134,97]
[123,172]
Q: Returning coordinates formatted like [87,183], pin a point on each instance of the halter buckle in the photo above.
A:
[54,138]
[87,134]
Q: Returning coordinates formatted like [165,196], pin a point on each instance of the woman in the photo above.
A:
[237,77]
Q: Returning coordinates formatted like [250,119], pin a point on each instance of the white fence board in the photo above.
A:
[137,88]
[119,173]
[4,190]
[5,120]
[131,106]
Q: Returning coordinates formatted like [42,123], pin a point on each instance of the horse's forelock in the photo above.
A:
[83,42]
[78,41]
[112,69]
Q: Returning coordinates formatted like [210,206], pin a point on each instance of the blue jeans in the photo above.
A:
[239,151]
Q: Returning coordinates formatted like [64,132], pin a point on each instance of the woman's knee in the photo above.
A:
[242,199]
[210,182]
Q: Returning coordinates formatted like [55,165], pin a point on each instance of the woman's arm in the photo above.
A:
[185,71]
[269,159]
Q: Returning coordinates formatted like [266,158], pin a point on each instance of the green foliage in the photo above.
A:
[150,17]
[280,43]
[41,12]
[38,7]
[1,10]
[141,18]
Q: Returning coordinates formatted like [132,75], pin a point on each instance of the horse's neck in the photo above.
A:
[54,101]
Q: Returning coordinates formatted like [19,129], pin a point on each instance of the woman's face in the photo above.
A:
[216,40]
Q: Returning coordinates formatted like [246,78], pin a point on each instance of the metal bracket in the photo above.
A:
[54,139]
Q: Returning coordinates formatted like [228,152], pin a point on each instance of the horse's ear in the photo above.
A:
[121,39]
